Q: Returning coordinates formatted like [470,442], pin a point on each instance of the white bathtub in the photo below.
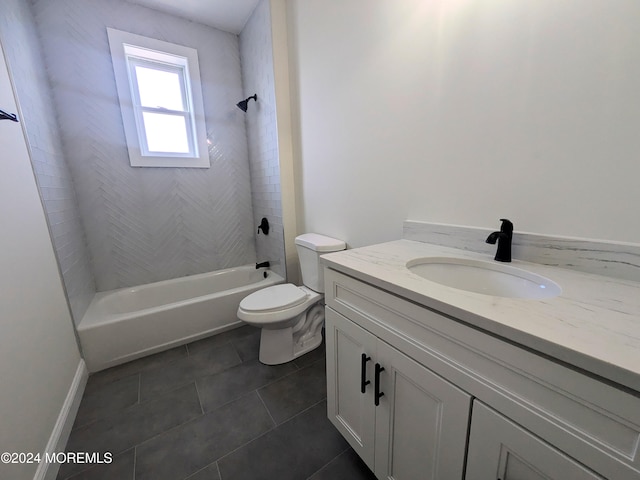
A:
[128,323]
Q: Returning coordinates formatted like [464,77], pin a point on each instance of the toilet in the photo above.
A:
[291,317]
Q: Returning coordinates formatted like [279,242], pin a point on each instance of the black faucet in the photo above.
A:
[503,237]
[263,264]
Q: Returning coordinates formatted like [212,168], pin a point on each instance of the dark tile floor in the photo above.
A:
[209,410]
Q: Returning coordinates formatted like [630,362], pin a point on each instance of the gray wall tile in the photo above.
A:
[148,224]
[256,52]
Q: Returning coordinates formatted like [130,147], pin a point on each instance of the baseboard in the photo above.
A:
[61,430]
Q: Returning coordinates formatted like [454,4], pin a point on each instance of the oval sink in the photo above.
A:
[487,278]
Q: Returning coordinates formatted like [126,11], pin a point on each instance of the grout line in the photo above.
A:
[275,380]
[329,463]
[270,430]
[244,445]
[161,394]
[248,392]
[266,408]
[271,382]
[109,413]
[298,370]
[193,378]
[253,439]
[70,477]
[172,428]
[143,369]
[90,466]
[324,399]
[135,458]
[223,342]
[191,475]
[195,382]
[218,468]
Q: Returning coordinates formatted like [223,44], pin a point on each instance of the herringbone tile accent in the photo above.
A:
[148,224]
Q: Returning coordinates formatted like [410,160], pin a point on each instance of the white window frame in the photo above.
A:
[129,50]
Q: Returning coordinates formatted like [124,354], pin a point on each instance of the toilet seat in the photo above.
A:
[262,310]
[277,297]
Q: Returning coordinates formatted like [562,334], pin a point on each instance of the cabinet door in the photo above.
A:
[421,423]
[351,411]
[502,450]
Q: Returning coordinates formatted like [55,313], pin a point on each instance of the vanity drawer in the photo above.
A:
[590,420]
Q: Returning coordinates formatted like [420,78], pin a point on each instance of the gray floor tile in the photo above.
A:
[194,445]
[205,344]
[100,401]
[237,435]
[208,473]
[311,357]
[186,370]
[292,394]
[216,390]
[248,347]
[120,468]
[135,424]
[292,451]
[347,466]
[157,360]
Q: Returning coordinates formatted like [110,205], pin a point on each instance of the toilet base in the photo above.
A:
[282,345]
[276,346]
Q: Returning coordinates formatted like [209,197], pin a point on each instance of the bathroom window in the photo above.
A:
[161,101]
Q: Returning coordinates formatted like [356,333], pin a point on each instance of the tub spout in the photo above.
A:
[263,264]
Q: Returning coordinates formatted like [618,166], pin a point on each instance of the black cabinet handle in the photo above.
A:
[378,393]
[363,373]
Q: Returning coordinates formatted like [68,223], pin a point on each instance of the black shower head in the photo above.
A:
[243,104]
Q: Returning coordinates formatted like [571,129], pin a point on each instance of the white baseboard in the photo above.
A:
[61,430]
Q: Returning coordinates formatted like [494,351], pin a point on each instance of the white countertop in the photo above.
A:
[594,324]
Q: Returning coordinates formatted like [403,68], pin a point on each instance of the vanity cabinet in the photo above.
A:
[403,420]
[509,452]
[460,403]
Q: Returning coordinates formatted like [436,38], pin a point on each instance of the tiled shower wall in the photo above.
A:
[257,77]
[24,56]
[148,224]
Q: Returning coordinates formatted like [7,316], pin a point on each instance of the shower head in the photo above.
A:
[243,104]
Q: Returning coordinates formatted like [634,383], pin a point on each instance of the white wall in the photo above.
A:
[38,352]
[466,111]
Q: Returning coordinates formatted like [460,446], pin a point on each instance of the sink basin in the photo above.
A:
[487,278]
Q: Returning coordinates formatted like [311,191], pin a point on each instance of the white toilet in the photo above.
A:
[291,317]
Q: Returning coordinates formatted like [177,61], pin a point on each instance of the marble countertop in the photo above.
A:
[594,324]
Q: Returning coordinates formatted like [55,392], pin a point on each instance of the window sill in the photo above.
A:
[172,162]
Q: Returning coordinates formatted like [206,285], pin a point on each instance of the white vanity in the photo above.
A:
[426,381]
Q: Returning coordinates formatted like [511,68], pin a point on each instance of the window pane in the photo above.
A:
[159,88]
[166,133]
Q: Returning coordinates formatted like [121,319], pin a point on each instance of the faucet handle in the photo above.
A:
[507,225]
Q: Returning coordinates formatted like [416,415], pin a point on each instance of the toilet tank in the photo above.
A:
[310,246]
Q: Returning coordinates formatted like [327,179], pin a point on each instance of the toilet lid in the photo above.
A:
[273,298]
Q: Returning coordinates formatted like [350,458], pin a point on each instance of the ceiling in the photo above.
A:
[227,15]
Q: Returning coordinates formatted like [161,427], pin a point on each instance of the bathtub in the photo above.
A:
[129,323]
